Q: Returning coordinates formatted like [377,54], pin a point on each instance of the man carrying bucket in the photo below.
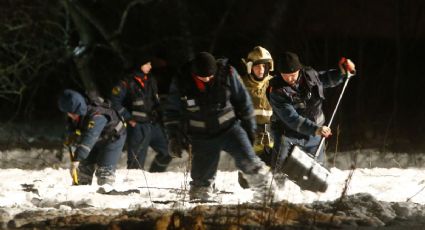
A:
[296,96]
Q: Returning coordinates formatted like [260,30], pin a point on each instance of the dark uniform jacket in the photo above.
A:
[101,125]
[204,110]
[136,98]
[297,111]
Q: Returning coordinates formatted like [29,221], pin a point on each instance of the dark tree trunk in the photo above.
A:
[82,54]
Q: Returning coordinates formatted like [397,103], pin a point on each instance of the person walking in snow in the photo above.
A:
[136,98]
[296,96]
[209,107]
[258,64]
[98,134]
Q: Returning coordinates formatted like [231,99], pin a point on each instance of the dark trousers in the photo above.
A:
[206,155]
[105,156]
[139,139]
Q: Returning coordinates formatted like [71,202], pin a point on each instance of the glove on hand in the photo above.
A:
[324,131]
[346,65]
[157,116]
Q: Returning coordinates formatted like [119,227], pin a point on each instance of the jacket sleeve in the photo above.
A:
[241,101]
[89,138]
[173,110]
[285,111]
[119,94]
[155,96]
[330,78]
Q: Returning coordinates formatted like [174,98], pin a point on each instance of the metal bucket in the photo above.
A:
[303,170]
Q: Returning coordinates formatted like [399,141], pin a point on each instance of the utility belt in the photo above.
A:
[114,134]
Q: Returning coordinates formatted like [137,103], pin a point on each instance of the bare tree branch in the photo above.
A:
[107,35]
[125,14]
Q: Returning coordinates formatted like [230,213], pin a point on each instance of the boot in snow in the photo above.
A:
[105,175]
[200,193]
[262,184]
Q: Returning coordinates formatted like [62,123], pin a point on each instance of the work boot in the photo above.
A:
[262,184]
[84,179]
[280,179]
[201,193]
[85,173]
[160,163]
[242,181]
[105,175]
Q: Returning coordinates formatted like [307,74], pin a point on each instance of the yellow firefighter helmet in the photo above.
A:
[258,55]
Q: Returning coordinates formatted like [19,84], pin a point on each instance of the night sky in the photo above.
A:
[383,106]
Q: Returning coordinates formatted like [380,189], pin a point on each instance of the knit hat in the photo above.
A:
[144,58]
[289,63]
[72,102]
[141,58]
[204,64]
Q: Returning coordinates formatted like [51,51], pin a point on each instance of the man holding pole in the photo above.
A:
[296,97]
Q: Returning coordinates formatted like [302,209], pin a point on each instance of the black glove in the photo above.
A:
[156,116]
[175,147]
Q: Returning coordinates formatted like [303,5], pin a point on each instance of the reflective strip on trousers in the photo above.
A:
[139,102]
[85,147]
[193,109]
[197,124]
[263,112]
[138,114]
[225,117]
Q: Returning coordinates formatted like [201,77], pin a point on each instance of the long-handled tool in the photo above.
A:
[69,143]
[303,169]
[74,173]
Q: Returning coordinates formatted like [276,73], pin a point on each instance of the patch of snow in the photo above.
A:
[50,188]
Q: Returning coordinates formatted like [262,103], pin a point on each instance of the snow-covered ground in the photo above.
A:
[42,182]
[49,187]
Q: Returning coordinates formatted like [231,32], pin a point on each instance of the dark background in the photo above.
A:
[49,45]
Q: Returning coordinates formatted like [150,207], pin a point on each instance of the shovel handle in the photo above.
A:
[74,177]
[349,73]
[74,173]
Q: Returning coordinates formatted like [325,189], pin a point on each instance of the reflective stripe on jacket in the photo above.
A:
[136,98]
[211,112]
[257,90]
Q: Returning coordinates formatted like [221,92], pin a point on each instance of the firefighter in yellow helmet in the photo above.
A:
[258,64]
